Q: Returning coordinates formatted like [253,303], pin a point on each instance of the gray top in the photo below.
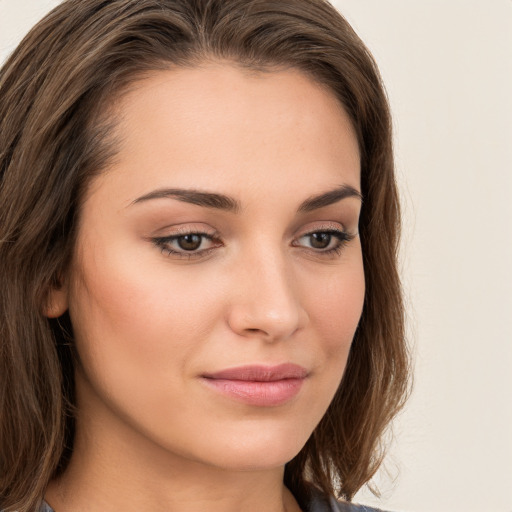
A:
[318,504]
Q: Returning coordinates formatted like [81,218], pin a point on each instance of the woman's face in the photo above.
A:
[218,279]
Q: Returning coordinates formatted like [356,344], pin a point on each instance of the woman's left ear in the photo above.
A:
[57,301]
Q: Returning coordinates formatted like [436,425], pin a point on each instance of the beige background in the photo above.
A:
[448,69]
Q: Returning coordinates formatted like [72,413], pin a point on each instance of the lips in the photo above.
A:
[263,386]
[260,373]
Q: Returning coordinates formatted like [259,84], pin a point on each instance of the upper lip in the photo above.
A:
[260,373]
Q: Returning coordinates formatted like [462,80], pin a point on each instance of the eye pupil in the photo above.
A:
[320,240]
[190,242]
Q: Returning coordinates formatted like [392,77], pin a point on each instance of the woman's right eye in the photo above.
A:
[187,245]
[190,242]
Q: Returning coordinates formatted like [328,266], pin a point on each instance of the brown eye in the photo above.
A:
[188,245]
[320,240]
[190,242]
[324,242]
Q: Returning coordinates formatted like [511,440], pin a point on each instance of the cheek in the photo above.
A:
[130,314]
[334,310]
[336,307]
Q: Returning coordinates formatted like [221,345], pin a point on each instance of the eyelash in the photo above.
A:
[163,243]
[343,238]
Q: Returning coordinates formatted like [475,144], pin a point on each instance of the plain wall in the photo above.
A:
[447,65]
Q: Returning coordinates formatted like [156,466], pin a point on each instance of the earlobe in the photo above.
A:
[57,301]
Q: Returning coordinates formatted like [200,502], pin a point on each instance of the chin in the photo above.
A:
[260,448]
[255,460]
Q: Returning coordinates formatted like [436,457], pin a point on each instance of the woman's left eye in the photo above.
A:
[325,241]
[187,244]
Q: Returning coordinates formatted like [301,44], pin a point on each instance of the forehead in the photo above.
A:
[217,123]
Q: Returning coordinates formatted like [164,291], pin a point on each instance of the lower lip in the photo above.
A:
[262,394]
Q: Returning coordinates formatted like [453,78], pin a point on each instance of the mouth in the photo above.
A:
[258,385]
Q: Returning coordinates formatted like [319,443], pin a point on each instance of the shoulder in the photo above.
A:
[318,504]
[321,503]
[43,508]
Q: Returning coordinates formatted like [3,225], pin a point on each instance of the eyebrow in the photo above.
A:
[205,199]
[328,198]
[229,204]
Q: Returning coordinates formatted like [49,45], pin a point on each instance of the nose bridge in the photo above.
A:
[267,302]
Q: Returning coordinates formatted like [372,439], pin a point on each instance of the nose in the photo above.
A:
[266,303]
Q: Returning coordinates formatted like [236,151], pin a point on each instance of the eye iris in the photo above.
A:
[320,240]
[189,242]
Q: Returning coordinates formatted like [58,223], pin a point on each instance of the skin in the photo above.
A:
[148,324]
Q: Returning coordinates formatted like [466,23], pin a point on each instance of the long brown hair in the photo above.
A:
[55,93]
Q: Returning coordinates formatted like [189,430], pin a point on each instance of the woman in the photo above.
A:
[199,222]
